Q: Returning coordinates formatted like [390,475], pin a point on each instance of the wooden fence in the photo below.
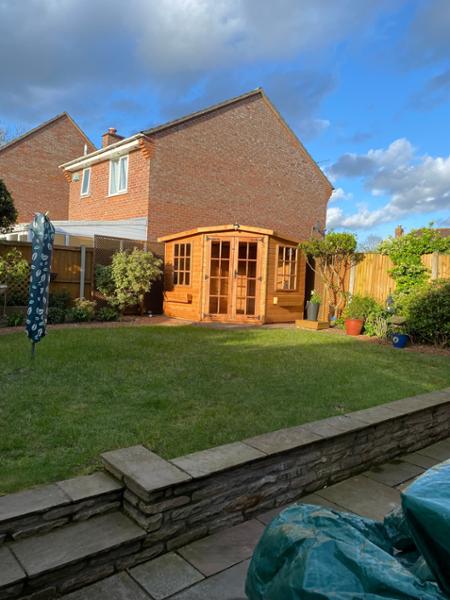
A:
[371,277]
[72,267]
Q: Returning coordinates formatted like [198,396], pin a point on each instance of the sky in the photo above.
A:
[365,84]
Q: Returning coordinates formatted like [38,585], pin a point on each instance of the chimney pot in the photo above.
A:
[110,137]
[399,231]
[112,131]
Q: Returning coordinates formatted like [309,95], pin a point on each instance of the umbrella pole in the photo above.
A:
[32,349]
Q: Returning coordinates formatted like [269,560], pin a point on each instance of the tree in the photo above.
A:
[332,258]
[8,212]
[129,277]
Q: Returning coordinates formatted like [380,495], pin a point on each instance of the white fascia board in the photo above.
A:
[113,151]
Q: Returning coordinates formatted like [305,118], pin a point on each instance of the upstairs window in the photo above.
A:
[286,272]
[118,175]
[86,182]
[182,264]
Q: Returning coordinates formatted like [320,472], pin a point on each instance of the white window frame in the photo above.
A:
[82,194]
[118,161]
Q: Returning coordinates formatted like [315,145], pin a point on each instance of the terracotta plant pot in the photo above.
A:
[353,326]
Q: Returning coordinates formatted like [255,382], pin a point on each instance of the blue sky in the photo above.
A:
[364,83]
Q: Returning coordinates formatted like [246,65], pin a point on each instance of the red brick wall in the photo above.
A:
[235,165]
[30,169]
[99,206]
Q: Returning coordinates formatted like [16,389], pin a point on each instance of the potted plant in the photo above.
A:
[356,313]
[400,337]
[313,306]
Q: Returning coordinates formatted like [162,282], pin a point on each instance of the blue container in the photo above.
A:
[400,340]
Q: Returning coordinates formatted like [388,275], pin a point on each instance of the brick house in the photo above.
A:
[29,167]
[234,162]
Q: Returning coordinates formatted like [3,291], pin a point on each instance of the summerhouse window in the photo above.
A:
[86,182]
[182,264]
[118,175]
[286,271]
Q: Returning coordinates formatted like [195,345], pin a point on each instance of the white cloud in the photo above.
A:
[340,194]
[414,184]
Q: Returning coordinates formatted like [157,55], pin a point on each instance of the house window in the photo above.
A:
[86,182]
[182,264]
[286,271]
[118,175]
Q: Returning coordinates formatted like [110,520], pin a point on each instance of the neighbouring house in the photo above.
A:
[29,166]
[234,162]
[233,273]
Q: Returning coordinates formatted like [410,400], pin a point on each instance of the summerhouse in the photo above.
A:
[233,273]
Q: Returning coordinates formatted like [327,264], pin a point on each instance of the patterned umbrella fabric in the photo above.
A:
[42,235]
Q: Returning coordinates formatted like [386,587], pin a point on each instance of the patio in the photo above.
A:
[215,567]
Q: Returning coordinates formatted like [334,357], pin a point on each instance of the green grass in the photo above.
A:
[181,389]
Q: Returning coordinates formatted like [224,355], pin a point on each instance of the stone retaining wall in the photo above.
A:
[189,497]
[44,508]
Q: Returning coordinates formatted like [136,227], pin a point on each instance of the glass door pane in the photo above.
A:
[246,284]
[219,275]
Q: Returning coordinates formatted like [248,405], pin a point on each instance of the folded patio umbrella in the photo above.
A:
[42,235]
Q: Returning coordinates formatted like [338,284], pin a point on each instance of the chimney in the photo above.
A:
[399,231]
[111,137]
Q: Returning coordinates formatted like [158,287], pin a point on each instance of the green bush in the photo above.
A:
[83,310]
[16,298]
[107,313]
[129,277]
[428,314]
[360,307]
[15,319]
[377,323]
[56,315]
[61,299]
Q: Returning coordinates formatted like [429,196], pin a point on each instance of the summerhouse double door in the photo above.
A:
[233,279]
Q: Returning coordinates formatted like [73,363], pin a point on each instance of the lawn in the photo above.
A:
[181,389]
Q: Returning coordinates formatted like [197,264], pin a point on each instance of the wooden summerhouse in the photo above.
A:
[233,273]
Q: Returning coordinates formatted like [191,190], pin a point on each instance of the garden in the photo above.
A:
[182,389]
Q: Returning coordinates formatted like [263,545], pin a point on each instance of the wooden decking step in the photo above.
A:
[67,553]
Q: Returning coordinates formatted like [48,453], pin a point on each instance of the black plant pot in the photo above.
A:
[312,311]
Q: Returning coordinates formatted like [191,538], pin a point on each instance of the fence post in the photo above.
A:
[435,265]
[82,269]
[351,281]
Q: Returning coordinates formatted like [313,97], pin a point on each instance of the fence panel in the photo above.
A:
[66,268]
[372,277]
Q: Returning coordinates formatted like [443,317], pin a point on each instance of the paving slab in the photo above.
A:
[394,473]
[116,587]
[334,425]
[10,570]
[36,500]
[166,575]
[214,460]
[283,439]
[144,471]
[268,516]
[69,544]
[227,585]
[363,496]
[223,549]
[416,458]
[86,486]
[440,451]
[374,415]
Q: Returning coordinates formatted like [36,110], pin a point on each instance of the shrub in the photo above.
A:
[130,276]
[61,299]
[15,320]
[315,297]
[428,314]
[56,315]
[377,323]
[13,267]
[360,307]
[107,313]
[8,212]
[83,310]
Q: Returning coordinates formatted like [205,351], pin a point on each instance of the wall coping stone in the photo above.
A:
[143,471]
[282,440]
[32,501]
[88,486]
[11,572]
[69,544]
